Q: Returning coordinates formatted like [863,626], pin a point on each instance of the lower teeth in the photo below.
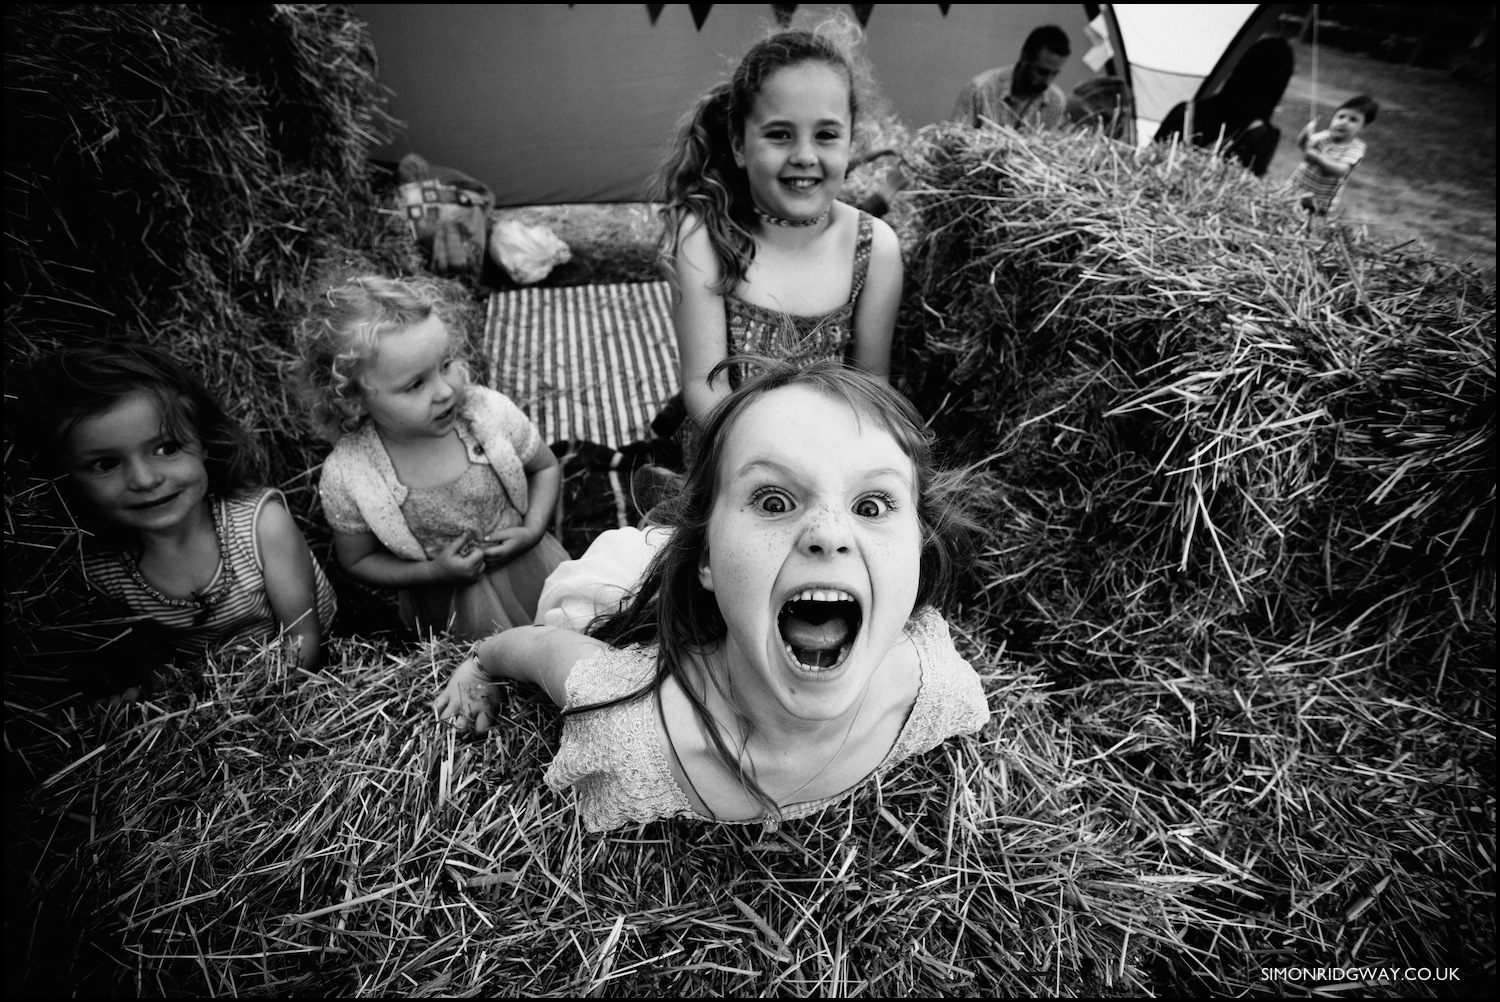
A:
[837,660]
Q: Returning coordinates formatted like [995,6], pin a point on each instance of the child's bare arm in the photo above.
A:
[875,314]
[541,655]
[291,585]
[698,317]
[366,560]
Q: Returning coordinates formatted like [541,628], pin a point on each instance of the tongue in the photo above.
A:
[826,634]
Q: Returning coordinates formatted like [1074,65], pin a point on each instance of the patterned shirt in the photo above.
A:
[987,100]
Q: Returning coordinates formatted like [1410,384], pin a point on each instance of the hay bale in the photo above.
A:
[253,835]
[1240,476]
[1187,398]
[176,173]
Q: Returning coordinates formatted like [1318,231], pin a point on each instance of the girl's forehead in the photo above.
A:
[819,431]
[140,414]
[806,82]
[397,349]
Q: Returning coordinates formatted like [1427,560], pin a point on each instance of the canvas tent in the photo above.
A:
[552,103]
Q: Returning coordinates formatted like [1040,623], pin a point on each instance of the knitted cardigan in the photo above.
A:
[361,492]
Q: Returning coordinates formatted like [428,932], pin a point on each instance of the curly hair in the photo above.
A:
[64,389]
[673,609]
[341,331]
[700,179]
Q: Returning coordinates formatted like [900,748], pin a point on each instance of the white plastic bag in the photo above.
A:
[527,253]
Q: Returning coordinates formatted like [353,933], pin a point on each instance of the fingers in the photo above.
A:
[463,559]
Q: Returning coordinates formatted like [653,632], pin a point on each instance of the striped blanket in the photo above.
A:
[588,362]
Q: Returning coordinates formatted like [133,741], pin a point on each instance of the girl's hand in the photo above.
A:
[460,562]
[508,544]
[468,700]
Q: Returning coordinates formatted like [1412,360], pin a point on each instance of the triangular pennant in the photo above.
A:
[653,11]
[862,12]
[700,13]
[944,8]
[784,12]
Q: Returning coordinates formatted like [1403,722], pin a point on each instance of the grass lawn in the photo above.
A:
[1430,170]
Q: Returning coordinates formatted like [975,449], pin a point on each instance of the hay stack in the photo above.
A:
[1199,413]
[1240,474]
[328,836]
[178,170]
[176,173]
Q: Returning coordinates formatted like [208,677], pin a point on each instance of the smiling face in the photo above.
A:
[132,470]
[795,146]
[813,551]
[413,386]
[1346,124]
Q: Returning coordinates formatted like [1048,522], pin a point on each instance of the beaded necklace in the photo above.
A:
[778,221]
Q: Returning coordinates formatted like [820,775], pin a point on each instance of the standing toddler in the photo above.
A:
[1329,156]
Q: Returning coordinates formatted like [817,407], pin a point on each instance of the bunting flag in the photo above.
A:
[784,12]
[587,362]
[700,13]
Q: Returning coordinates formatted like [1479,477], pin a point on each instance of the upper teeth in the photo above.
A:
[821,595]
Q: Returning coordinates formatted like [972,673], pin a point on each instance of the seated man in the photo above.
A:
[1021,96]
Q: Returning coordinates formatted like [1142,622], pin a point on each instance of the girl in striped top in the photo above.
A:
[178,533]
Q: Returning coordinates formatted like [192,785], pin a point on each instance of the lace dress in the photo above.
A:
[474,506]
[614,760]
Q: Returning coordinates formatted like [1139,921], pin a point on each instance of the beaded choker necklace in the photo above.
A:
[778,221]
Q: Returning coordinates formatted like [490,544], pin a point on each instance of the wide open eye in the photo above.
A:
[772,501]
[874,505]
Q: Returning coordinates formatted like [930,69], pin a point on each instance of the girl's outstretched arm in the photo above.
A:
[698,316]
[291,585]
[875,314]
[541,655]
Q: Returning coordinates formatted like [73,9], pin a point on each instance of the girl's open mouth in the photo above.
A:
[818,627]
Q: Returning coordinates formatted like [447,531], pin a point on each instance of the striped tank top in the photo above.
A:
[233,607]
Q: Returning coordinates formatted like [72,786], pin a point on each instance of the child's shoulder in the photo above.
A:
[488,411]
[353,450]
[603,673]
[951,700]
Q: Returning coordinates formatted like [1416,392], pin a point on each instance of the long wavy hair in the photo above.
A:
[338,336]
[672,608]
[700,178]
[64,389]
